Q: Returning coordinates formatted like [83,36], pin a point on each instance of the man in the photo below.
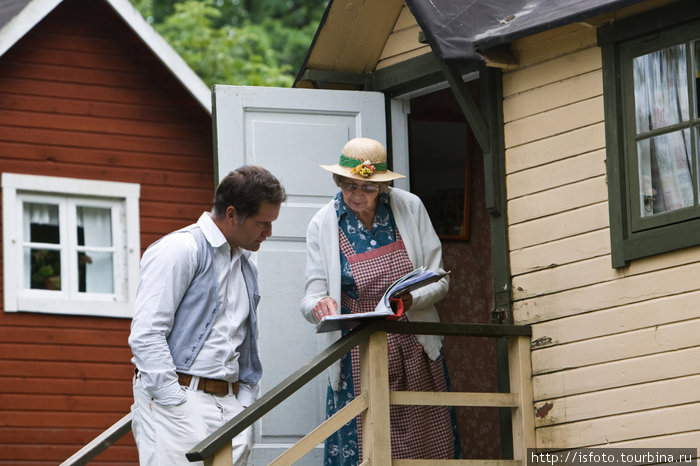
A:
[194,332]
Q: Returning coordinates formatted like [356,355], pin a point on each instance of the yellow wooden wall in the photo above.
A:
[616,352]
[403,43]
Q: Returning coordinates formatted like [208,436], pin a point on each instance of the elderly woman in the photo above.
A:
[368,236]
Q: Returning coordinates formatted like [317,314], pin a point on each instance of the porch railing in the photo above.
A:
[374,400]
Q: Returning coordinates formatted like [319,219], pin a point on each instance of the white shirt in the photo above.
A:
[168,268]
[218,358]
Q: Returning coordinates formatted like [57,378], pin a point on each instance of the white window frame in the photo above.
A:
[121,198]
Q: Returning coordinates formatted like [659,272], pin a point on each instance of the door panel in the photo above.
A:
[290,132]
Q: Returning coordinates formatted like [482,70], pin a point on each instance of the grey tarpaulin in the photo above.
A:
[458,29]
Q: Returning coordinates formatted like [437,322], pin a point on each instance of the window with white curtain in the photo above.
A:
[652,117]
[70,246]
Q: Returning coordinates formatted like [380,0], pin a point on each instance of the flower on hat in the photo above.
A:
[365,169]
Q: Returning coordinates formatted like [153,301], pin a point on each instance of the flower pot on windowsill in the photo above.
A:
[52,282]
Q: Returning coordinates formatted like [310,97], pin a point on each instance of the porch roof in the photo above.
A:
[458,30]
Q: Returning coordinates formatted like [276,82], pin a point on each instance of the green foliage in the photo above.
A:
[243,42]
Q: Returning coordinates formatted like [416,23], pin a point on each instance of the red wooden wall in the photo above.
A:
[82,97]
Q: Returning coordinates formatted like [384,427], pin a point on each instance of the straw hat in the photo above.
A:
[363,159]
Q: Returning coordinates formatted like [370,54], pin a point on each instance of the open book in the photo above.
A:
[389,307]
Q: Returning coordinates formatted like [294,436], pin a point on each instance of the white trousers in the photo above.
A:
[164,434]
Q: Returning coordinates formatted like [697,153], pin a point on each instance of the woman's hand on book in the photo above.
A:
[325,307]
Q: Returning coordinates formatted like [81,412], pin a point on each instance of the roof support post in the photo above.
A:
[491,100]
[466,103]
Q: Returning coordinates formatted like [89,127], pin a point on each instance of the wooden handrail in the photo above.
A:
[207,448]
[279,393]
[217,445]
[100,443]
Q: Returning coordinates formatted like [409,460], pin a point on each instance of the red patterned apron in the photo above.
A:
[418,432]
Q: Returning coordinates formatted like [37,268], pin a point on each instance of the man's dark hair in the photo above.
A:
[245,189]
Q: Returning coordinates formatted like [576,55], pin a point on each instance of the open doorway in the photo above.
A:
[438,129]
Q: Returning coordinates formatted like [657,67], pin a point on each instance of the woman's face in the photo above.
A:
[360,196]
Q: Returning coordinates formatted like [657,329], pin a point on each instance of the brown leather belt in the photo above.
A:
[212,386]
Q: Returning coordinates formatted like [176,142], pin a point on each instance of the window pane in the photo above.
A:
[665,177]
[94,226]
[44,268]
[41,223]
[95,272]
[661,88]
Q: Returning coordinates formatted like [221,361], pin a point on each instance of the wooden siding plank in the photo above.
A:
[47,435]
[614,374]
[598,270]
[117,158]
[401,42]
[49,104]
[67,370]
[65,402]
[631,289]
[47,336]
[84,91]
[61,72]
[101,125]
[554,95]
[569,39]
[618,401]
[555,174]
[557,227]
[73,386]
[405,19]
[179,183]
[13,319]
[123,454]
[42,352]
[660,311]
[545,38]
[41,52]
[633,344]
[560,252]
[564,277]
[14,418]
[165,210]
[88,39]
[403,57]
[681,440]
[553,122]
[557,200]
[612,429]
[562,146]
[552,71]
[86,140]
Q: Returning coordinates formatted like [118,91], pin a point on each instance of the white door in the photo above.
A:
[290,132]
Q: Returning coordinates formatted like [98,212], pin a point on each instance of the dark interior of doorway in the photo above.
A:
[471,361]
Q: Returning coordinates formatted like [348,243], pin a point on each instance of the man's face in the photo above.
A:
[255,229]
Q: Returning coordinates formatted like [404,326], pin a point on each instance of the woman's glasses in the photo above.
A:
[365,188]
